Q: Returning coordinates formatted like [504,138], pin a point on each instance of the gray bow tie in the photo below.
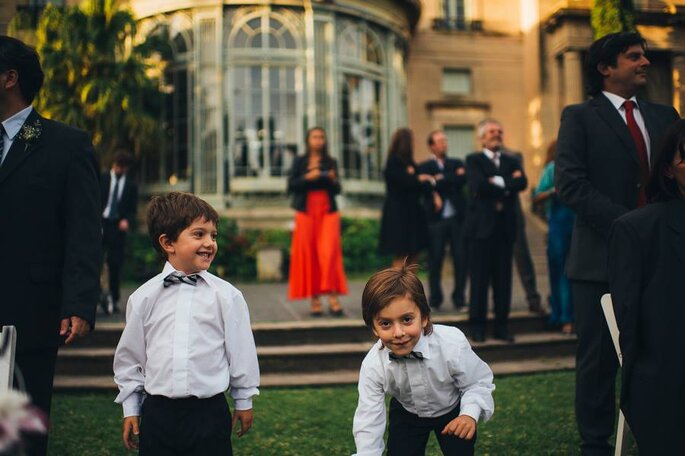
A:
[412,355]
[177,277]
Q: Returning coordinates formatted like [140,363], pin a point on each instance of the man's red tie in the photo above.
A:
[641,147]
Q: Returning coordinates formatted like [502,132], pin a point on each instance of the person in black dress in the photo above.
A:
[404,230]
[646,268]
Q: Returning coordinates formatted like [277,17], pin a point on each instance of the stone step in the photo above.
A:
[339,377]
[323,331]
[315,358]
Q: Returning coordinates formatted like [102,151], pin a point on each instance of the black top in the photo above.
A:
[404,228]
[128,200]
[299,186]
[646,270]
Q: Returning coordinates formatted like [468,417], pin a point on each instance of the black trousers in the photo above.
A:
[441,233]
[37,368]
[408,433]
[524,263]
[113,247]
[185,427]
[491,263]
[596,367]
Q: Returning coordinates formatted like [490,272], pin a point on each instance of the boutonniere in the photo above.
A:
[30,133]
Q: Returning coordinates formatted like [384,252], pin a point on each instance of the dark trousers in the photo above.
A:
[408,433]
[596,367]
[37,369]
[185,427]
[524,263]
[441,233]
[491,262]
[113,247]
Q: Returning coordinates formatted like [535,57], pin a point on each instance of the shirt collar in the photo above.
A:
[618,100]
[13,124]
[490,154]
[422,346]
[168,269]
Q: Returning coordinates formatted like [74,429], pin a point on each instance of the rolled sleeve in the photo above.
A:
[129,362]
[474,378]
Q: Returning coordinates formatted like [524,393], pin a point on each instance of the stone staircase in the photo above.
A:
[326,352]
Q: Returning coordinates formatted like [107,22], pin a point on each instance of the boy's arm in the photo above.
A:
[474,379]
[368,426]
[241,353]
[129,363]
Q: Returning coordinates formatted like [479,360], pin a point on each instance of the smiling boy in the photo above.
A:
[187,340]
[437,383]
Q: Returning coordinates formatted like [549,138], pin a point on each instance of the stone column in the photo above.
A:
[679,83]
[573,77]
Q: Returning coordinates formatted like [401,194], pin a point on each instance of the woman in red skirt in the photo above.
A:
[316,265]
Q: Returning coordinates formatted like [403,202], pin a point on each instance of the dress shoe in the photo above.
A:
[504,335]
[478,335]
[107,304]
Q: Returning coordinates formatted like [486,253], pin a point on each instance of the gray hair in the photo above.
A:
[485,122]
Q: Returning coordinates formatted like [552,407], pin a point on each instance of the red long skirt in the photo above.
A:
[316,264]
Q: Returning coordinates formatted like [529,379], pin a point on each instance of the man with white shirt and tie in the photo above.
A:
[436,382]
[119,194]
[604,150]
[187,340]
[49,227]
[494,182]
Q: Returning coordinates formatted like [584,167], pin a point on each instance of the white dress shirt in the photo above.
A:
[12,127]
[120,191]
[618,101]
[184,341]
[494,157]
[429,388]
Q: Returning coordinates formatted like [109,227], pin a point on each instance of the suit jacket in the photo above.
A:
[597,174]
[129,196]
[484,197]
[50,232]
[646,267]
[299,186]
[450,187]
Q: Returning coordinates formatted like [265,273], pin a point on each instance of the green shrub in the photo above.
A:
[236,258]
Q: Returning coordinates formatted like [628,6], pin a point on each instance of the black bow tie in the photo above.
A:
[412,355]
[177,277]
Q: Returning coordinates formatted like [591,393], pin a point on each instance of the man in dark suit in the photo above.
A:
[49,226]
[119,194]
[494,181]
[445,208]
[602,164]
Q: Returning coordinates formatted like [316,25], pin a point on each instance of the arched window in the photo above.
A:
[264,97]
[361,90]
[171,163]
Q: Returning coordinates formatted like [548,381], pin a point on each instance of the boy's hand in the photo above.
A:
[245,417]
[462,426]
[131,432]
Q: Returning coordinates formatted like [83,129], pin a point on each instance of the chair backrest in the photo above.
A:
[8,344]
[610,317]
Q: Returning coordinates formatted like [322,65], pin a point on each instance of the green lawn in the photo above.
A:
[533,416]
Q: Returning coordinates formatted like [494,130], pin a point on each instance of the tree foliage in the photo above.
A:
[97,76]
[611,16]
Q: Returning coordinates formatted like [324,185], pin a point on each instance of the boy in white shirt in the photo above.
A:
[187,339]
[437,383]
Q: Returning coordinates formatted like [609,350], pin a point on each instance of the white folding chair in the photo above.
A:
[8,344]
[623,431]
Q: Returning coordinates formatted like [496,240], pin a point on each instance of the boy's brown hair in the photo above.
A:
[174,212]
[390,284]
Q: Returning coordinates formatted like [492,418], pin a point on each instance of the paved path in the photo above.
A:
[268,301]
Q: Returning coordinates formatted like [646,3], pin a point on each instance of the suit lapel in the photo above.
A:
[489,166]
[610,115]
[21,147]
[648,117]
[675,216]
